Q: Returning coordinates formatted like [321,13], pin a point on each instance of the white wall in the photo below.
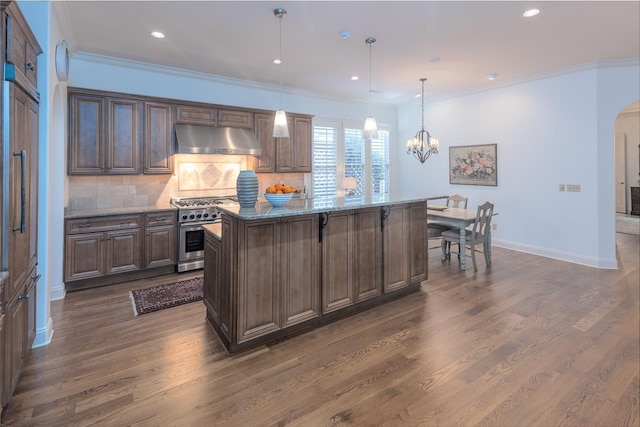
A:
[551,131]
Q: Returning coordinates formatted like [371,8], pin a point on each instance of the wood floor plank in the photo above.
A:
[529,341]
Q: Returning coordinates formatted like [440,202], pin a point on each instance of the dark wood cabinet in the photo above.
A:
[160,239]
[635,200]
[235,118]
[196,115]
[266,161]
[405,245]
[214,293]
[293,154]
[118,135]
[158,138]
[103,250]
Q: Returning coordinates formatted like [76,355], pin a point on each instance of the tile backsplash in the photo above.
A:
[195,176]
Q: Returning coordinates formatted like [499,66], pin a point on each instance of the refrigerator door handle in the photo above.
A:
[23,159]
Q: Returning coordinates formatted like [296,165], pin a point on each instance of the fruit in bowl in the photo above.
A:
[282,189]
[278,200]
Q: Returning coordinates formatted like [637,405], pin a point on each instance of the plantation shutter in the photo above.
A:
[325,161]
[380,163]
[354,158]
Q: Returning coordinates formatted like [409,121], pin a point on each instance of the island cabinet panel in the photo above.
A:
[300,281]
[213,289]
[338,261]
[258,279]
[405,246]
[368,254]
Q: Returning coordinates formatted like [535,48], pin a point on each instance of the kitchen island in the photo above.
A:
[273,272]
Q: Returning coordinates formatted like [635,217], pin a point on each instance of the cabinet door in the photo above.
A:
[30,320]
[337,262]
[266,162]
[212,277]
[235,119]
[303,144]
[122,251]
[195,115]
[123,137]
[158,139]
[32,187]
[3,358]
[368,254]
[86,134]
[160,246]
[16,312]
[258,279]
[22,220]
[405,246]
[285,150]
[299,260]
[84,257]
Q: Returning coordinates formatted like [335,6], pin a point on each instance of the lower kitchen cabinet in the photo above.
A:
[405,245]
[216,296]
[160,239]
[351,258]
[109,247]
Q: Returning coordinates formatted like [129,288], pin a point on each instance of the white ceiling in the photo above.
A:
[238,39]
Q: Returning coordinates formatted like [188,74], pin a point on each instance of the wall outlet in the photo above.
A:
[494,226]
[561,188]
[573,188]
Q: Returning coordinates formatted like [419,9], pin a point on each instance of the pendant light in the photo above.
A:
[370,125]
[280,125]
[423,139]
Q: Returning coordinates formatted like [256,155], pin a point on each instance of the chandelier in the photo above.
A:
[423,145]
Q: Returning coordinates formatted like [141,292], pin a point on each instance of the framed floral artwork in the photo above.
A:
[474,165]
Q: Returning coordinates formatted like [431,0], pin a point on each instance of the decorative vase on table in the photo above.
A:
[247,188]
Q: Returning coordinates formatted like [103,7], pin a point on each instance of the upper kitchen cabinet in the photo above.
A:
[291,154]
[118,135]
[196,115]
[22,51]
[235,118]
[158,138]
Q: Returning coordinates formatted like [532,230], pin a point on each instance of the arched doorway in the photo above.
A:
[627,165]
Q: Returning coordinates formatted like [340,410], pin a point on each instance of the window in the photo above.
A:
[339,151]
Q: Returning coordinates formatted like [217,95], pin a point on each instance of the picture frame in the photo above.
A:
[474,165]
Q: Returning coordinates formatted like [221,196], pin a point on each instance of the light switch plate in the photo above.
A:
[573,188]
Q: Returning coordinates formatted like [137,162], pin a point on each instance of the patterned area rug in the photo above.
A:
[164,296]
[628,224]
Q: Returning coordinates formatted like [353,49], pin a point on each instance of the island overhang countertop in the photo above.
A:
[294,207]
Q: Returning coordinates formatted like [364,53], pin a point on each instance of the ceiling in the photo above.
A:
[455,45]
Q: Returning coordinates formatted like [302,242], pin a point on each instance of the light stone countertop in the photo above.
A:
[294,207]
[81,213]
[215,229]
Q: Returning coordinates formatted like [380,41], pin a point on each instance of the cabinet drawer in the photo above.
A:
[160,218]
[195,115]
[94,224]
[236,119]
[22,48]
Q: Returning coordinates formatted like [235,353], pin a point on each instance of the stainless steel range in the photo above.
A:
[193,213]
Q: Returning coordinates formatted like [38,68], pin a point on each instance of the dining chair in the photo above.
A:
[478,234]
[435,229]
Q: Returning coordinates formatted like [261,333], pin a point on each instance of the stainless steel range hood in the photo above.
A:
[197,139]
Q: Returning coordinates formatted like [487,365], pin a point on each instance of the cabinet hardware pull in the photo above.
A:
[160,218]
[324,220]
[384,214]
[23,160]
[29,66]
[23,296]
[36,277]
[85,225]
[125,222]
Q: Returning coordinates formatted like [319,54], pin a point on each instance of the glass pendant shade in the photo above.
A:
[370,128]
[280,125]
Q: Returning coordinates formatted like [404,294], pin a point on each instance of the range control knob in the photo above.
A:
[184,216]
[192,216]
[199,216]
[206,215]
[213,215]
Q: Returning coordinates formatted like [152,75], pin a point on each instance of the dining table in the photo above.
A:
[459,218]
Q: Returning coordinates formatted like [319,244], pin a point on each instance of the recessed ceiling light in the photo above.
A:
[345,34]
[530,13]
[277,61]
[418,95]
[492,76]
[435,59]
[354,78]
[157,34]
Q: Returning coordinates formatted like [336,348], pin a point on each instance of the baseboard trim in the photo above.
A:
[605,264]
[44,335]
[58,292]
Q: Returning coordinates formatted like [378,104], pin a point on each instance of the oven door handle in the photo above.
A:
[184,225]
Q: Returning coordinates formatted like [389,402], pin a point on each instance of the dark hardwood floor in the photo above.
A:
[529,341]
